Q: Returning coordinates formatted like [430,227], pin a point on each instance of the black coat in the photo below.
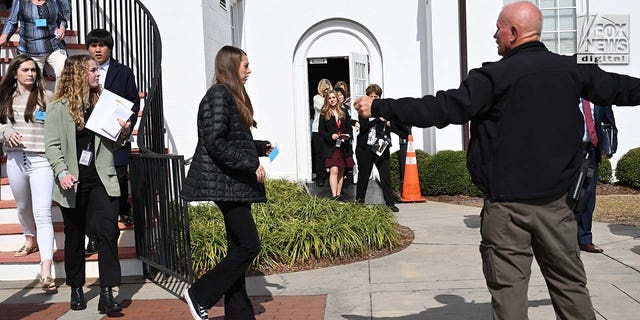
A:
[327,127]
[120,80]
[526,128]
[226,158]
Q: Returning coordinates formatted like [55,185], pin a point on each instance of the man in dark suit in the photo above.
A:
[118,79]
[604,145]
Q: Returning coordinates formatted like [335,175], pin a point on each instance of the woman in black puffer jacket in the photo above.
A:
[226,170]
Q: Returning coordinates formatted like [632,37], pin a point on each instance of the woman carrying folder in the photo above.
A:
[82,162]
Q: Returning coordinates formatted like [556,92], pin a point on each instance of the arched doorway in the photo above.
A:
[301,82]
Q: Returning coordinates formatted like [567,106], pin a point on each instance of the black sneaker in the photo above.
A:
[393,208]
[197,311]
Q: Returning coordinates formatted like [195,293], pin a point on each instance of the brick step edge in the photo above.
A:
[14,228]
[6,257]
[11,204]
[72,46]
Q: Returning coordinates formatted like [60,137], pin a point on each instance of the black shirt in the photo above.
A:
[85,140]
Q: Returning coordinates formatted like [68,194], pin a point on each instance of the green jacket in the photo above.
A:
[60,149]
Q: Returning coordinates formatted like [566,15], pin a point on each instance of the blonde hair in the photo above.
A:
[324,84]
[326,108]
[227,64]
[73,87]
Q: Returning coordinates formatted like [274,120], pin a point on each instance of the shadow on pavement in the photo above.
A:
[622,230]
[472,221]
[455,307]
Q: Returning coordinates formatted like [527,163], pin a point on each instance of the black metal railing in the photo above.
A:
[161,216]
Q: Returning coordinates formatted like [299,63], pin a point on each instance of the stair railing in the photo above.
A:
[160,216]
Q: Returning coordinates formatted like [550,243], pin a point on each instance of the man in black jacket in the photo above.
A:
[525,149]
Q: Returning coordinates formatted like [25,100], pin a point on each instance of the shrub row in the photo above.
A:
[628,169]
[444,173]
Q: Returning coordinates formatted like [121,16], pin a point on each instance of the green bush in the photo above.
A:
[294,227]
[447,173]
[604,171]
[422,158]
[628,169]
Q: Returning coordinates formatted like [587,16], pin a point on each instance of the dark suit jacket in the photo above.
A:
[120,81]
[604,115]
[326,128]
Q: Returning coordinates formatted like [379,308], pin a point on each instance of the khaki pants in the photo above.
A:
[512,233]
[55,59]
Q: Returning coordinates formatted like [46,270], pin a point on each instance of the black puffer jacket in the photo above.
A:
[226,158]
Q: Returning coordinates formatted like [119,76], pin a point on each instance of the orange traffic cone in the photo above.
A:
[411,184]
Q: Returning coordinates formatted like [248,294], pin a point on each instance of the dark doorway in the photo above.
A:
[334,69]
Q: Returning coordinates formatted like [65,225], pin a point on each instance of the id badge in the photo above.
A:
[41,115]
[85,158]
[41,22]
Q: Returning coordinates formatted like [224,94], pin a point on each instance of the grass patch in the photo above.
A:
[296,228]
[618,209]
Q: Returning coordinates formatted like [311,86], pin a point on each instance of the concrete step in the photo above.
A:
[26,268]
[12,238]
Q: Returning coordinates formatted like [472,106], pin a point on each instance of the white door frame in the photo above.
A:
[300,80]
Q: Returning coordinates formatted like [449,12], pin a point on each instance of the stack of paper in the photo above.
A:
[105,114]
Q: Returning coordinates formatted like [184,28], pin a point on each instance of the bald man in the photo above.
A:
[524,153]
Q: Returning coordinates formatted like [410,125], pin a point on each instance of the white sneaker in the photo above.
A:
[197,311]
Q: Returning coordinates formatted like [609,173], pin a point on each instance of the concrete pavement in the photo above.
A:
[439,276]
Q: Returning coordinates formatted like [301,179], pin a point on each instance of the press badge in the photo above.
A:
[40,115]
[85,158]
[41,22]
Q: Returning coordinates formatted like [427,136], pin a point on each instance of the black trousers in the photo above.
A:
[228,277]
[92,198]
[318,157]
[123,208]
[402,159]
[123,181]
[366,159]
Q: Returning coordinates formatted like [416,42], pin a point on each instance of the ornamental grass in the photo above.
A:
[296,228]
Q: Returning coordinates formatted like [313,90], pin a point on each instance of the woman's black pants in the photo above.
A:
[92,197]
[366,159]
[228,277]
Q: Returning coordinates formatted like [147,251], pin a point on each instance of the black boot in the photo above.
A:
[77,299]
[92,246]
[106,304]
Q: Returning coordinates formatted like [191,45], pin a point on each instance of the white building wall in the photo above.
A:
[394,26]
[191,32]
[194,30]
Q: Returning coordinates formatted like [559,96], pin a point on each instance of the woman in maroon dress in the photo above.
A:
[336,131]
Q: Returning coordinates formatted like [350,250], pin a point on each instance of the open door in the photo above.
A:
[359,80]
[358,74]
